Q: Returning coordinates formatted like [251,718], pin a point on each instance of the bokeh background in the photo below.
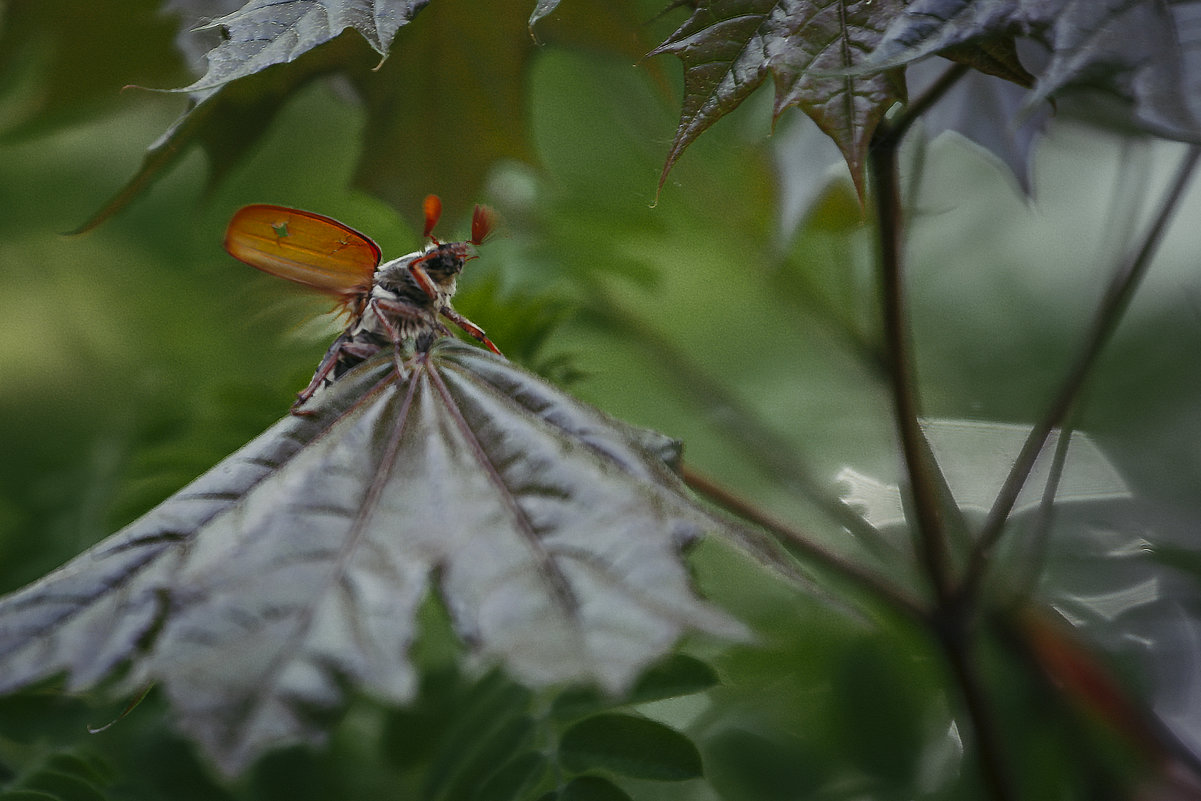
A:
[135,356]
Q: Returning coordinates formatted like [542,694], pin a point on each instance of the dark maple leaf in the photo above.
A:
[1141,51]
[1144,51]
[730,46]
[998,56]
[926,27]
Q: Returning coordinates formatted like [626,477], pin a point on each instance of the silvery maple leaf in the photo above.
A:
[294,568]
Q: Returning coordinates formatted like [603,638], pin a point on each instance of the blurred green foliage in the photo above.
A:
[137,355]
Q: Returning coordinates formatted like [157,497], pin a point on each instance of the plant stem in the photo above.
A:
[951,623]
[1109,313]
[921,468]
[956,644]
[762,447]
[806,547]
[914,110]
[1040,531]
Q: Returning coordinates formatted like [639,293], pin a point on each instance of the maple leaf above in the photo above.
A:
[729,47]
[842,63]
[1146,52]
[267,32]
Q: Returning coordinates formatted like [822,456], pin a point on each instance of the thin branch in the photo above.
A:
[742,427]
[951,621]
[921,467]
[1041,530]
[985,728]
[1109,313]
[804,546]
[917,107]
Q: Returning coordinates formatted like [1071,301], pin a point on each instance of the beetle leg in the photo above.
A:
[422,278]
[385,307]
[471,328]
[343,345]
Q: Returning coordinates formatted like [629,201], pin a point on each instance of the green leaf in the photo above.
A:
[880,714]
[451,102]
[271,51]
[256,594]
[63,786]
[442,110]
[747,765]
[630,746]
[514,778]
[576,702]
[84,766]
[730,46]
[677,675]
[592,788]
[498,743]
[412,734]
[482,726]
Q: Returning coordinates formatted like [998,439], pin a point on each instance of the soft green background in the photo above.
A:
[135,356]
